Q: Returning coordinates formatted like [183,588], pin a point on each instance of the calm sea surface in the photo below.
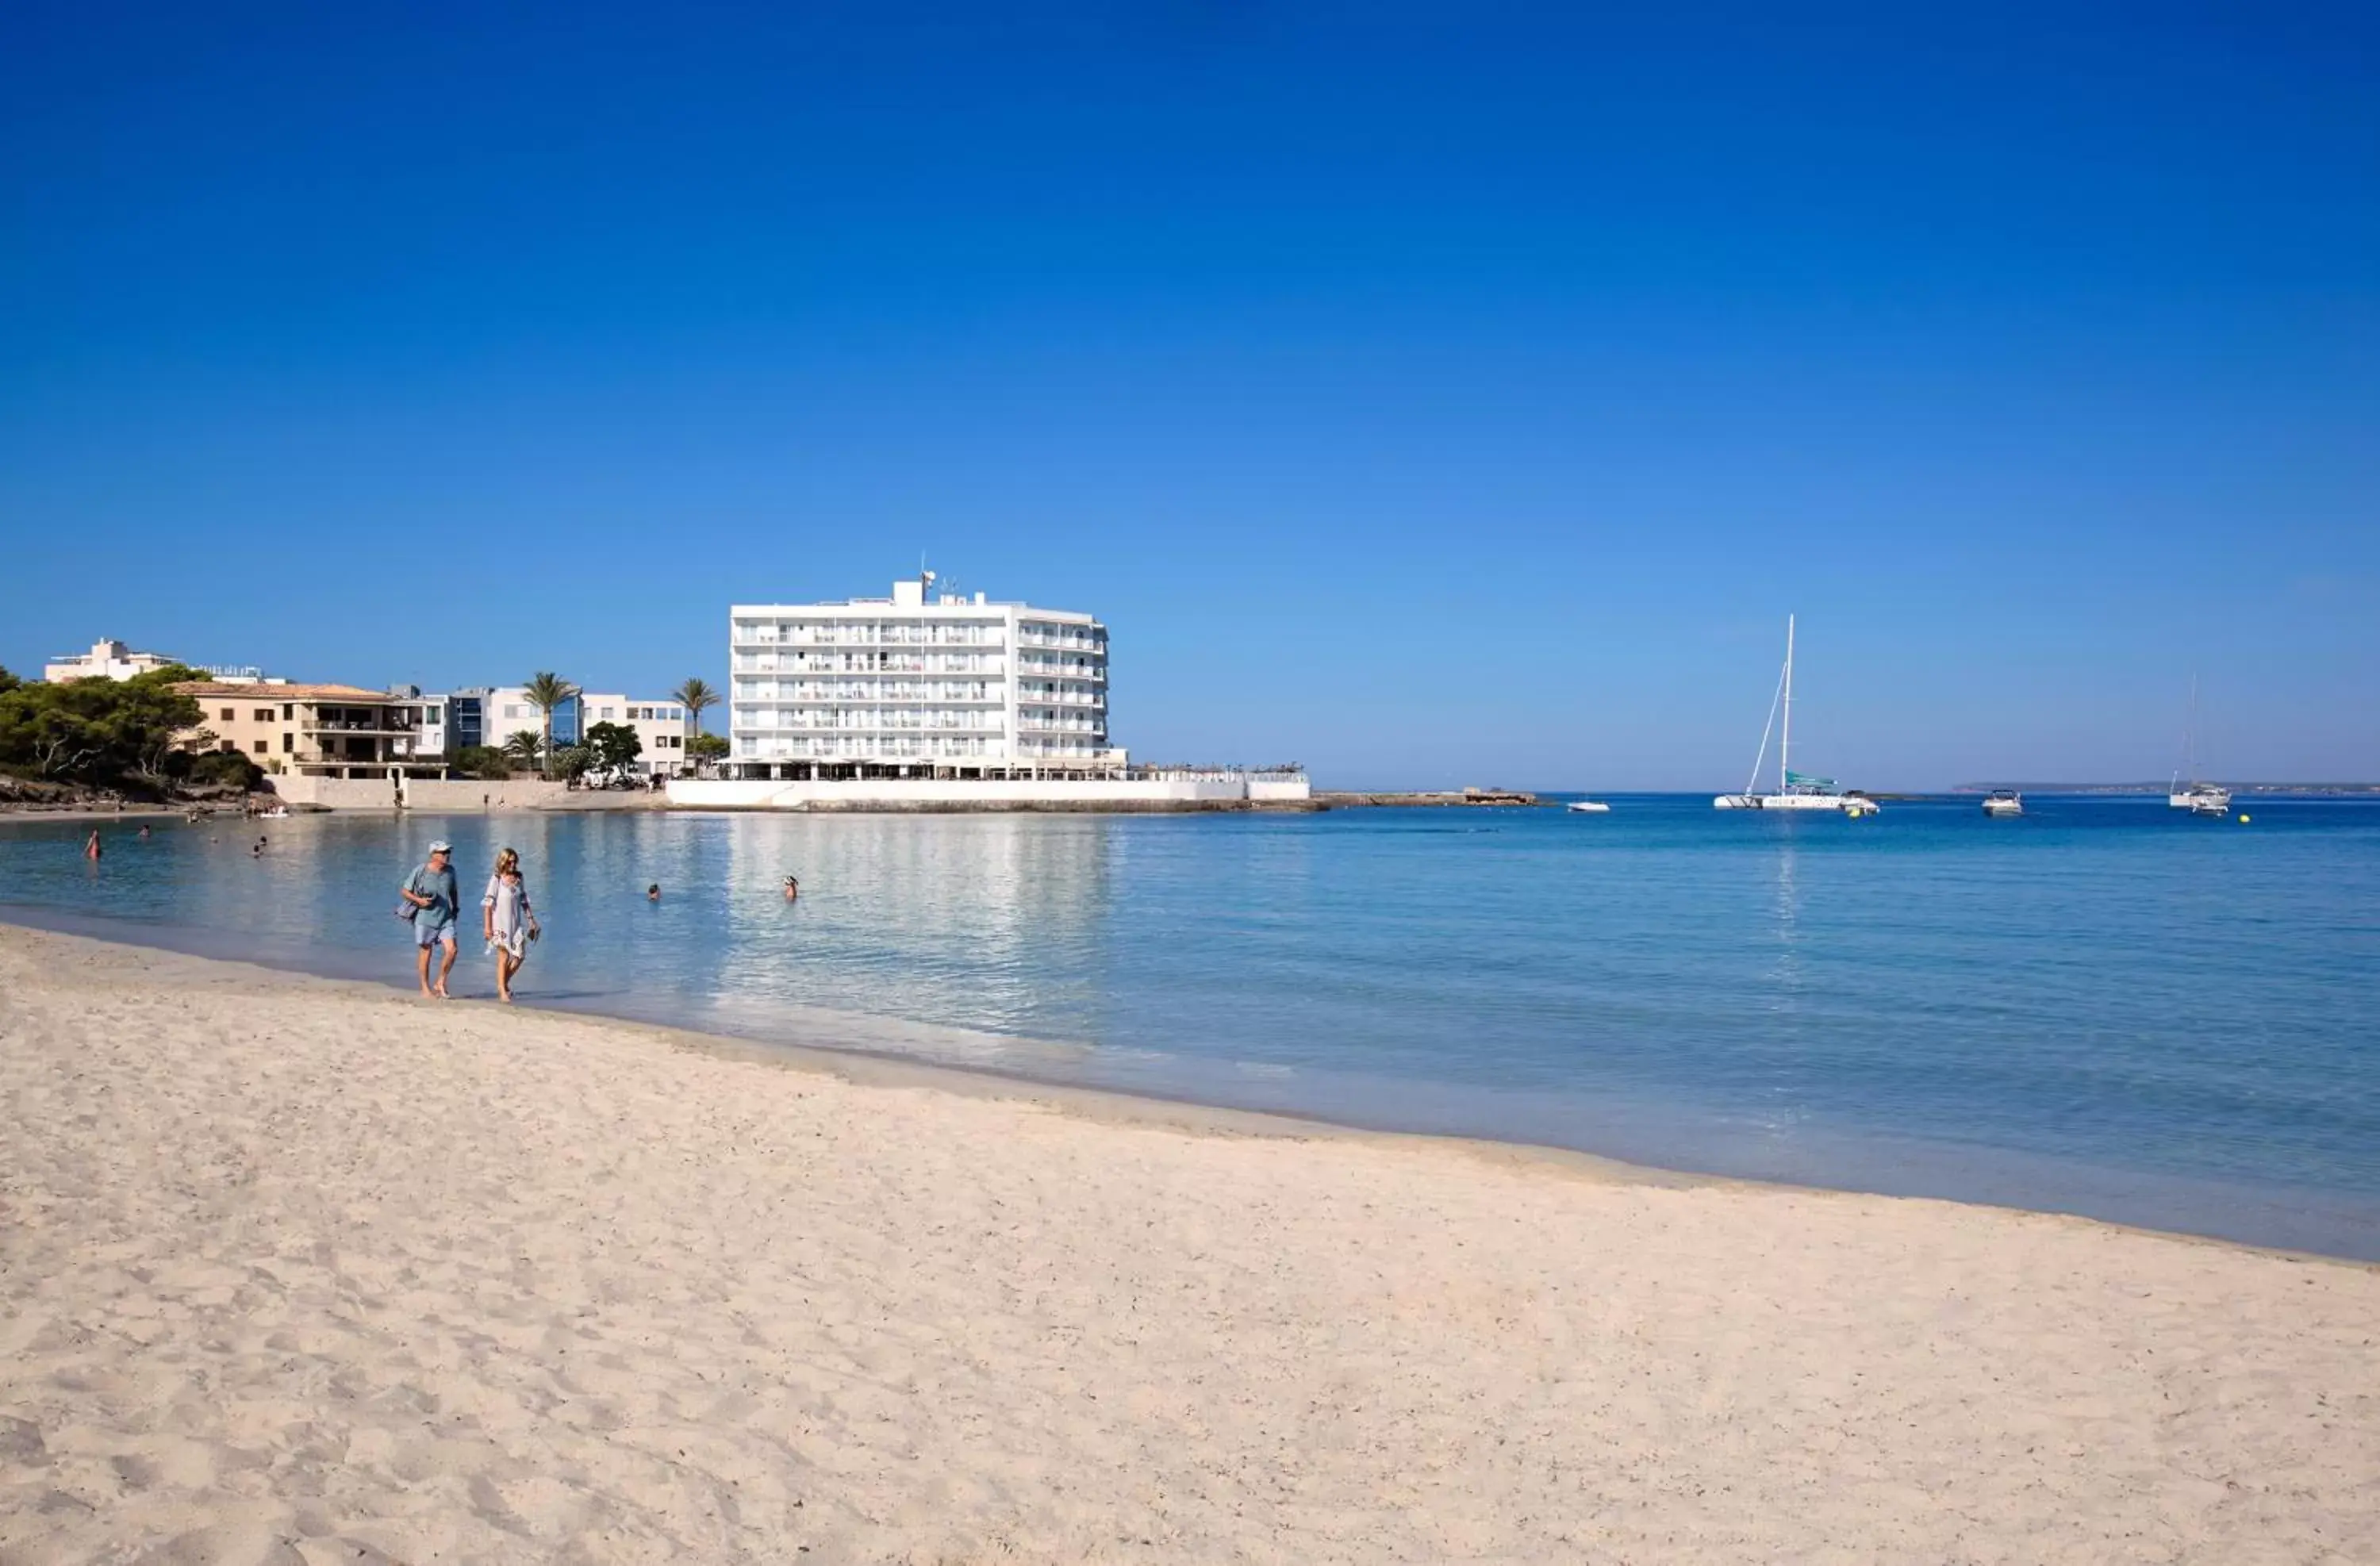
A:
[2107,1007]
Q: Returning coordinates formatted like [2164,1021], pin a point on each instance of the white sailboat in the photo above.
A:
[1795,791]
[2199,799]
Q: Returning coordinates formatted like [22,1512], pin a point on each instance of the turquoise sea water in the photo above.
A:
[2105,1007]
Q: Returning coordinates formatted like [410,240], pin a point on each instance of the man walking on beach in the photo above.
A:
[431,893]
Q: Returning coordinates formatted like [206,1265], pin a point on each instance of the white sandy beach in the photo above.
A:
[295,1270]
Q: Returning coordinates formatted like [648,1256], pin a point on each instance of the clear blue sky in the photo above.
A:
[1445,394]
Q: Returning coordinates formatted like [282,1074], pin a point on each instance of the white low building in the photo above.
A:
[662,729]
[918,684]
[107,660]
[505,711]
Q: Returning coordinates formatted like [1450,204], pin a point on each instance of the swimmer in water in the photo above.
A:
[652,892]
[91,846]
[792,889]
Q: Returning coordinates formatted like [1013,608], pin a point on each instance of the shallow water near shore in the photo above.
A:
[2107,1007]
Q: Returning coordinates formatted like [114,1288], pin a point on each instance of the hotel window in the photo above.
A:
[288,710]
[262,745]
[227,715]
[264,715]
[287,745]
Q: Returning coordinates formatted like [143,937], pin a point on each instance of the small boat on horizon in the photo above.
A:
[1795,791]
[1590,806]
[2004,802]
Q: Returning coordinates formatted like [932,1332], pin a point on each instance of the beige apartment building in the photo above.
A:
[316,730]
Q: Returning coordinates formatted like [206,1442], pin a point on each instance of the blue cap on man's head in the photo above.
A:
[442,846]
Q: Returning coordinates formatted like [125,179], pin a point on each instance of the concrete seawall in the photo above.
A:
[424,794]
[1179,793]
[1156,794]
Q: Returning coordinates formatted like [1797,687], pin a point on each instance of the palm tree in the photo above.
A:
[547,690]
[694,696]
[522,748]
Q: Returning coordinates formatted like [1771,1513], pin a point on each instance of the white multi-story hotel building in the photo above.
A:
[915,686]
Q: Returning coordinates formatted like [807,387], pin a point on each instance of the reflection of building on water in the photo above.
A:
[969,920]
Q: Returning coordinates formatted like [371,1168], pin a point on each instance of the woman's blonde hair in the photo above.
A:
[506,860]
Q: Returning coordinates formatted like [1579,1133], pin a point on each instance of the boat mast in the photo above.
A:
[1785,747]
[2190,733]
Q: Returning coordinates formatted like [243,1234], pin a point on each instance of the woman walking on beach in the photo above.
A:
[509,923]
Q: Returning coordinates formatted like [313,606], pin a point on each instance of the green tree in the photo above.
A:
[98,731]
[546,691]
[225,767]
[697,696]
[524,747]
[613,747]
[484,762]
[9,682]
[156,714]
[708,747]
[573,761]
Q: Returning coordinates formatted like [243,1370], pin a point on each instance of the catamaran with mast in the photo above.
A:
[1795,791]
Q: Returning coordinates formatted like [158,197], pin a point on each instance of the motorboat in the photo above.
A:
[1795,791]
[1590,808]
[2004,802]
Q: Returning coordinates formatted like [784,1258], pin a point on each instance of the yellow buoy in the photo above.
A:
[2244,818]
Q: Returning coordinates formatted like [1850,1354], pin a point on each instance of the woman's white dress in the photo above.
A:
[510,916]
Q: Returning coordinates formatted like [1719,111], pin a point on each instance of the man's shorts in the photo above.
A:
[430,932]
